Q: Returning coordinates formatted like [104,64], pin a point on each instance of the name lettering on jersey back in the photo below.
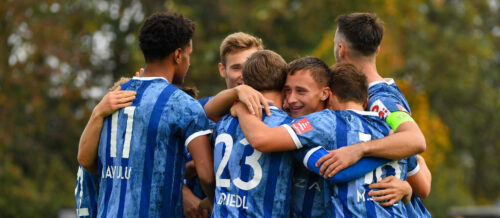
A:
[302,126]
[301,183]
[232,200]
[380,108]
[117,172]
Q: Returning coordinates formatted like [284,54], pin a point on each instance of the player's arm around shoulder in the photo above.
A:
[259,135]
[89,141]
[220,104]
[406,141]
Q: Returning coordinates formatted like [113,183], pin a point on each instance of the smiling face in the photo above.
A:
[303,95]
[235,61]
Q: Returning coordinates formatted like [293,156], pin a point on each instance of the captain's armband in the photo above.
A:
[397,118]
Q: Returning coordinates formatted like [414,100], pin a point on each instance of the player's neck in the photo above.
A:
[369,68]
[276,97]
[159,69]
[349,106]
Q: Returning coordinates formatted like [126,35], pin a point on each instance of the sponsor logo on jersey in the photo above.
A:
[302,126]
[380,108]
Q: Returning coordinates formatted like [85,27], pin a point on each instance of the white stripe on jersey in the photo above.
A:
[196,134]
[308,155]
[298,144]
[414,171]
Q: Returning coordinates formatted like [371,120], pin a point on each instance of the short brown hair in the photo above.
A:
[349,83]
[318,68]
[363,30]
[238,42]
[265,71]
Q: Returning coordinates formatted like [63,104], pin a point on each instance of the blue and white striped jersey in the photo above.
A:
[141,150]
[384,98]
[86,191]
[250,183]
[335,129]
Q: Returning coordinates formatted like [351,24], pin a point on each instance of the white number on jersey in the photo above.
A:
[252,161]
[129,111]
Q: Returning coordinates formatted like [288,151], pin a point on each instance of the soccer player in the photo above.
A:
[141,148]
[349,124]
[357,41]
[248,182]
[234,51]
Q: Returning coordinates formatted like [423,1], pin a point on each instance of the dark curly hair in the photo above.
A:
[363,30]
[164,32]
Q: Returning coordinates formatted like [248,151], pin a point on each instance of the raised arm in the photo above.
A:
[89,141]
[219,105]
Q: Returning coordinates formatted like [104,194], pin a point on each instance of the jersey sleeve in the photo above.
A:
[309,156]
[313,129]
[413,166]
[384,105]
[192,121]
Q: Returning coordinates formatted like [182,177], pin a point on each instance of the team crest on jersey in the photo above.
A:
[302,126]
[380,108]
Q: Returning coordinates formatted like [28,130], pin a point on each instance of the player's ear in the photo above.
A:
[325,93]
[178,56]
[222,70]
[378,50]
[342,49]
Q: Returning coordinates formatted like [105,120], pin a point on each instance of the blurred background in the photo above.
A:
[58,58]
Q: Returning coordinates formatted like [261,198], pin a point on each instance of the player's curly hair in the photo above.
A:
[363,30]
[164,32]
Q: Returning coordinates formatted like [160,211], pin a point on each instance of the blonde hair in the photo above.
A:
[238,42]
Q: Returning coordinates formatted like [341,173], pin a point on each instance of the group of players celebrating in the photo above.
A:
[298,139]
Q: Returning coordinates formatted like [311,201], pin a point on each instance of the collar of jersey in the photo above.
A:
[148,78]
[388,81]
[369,113]
[272,107]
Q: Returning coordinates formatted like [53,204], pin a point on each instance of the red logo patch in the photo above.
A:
[302,126]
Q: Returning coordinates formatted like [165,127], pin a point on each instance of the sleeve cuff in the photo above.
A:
[414,171]
[308,155]
[294,136]
[196,134]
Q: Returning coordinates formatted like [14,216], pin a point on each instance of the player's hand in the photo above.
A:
[253,99]
[391,191]
[141,71]
[190,203]
[205,207]
[190,170]
[339,159]
[113,101]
